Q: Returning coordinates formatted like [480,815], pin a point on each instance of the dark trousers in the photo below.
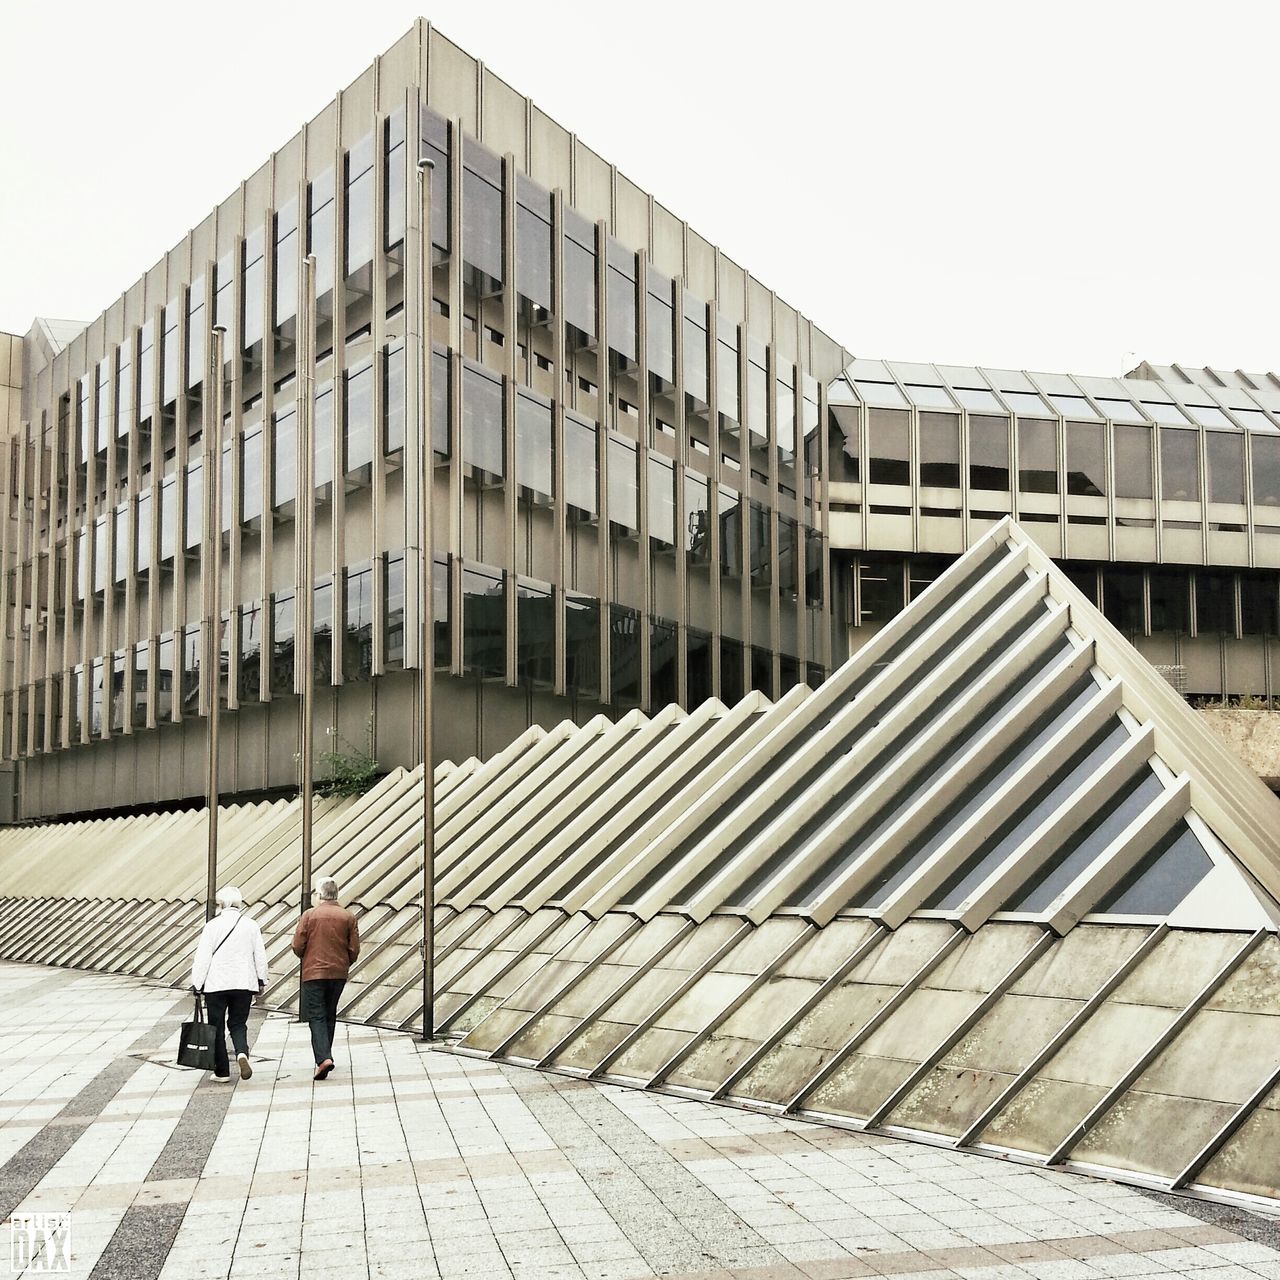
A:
[319,1007]
[228,1011]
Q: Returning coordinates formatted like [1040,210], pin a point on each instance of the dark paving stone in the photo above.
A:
[24,1170]
[141,1243]
[1258,1227]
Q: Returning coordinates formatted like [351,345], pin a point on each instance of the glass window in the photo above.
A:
[1122,411]
[197,327]
[1163,412]
[760,543]
[582,645]
[757,394]
[191,651]
[282,644]
[733,672]
[1180,464]
[579,276]
[117,689]
[1122,600]
[784,420]
[1025,404]
[120,538]
[889,441]
[434,145]
[660,331]
[1170,602]
[533,243]
[698,672]
[286,251]
[814,561]
[1209,415]
[146,370]
[482,422]
[394,152]
[358,239]
[620,288]
[142,541]
[249,683]
[169,351]
[624,656]
[320,228]
[727,371]
[664,662]
[662,499]
[1162,879]
[729,515]
[535,635]
[1073,406]
[441,392]
[124,392]
[166,678]
[535,470]
[322,649]
[484,623]
[482,212]
[284,460]
[879,590]
[252,476]
[697,518]
[695,348]
[1226,466]
[788,557]
[1259,604]
[978,400]
[358,417]
[928,397]
[255,283]
[623,486]
[988,452]
[357,651]
[1086,459]
[224,298]
[940,450]
[1132,461]
[168,518]
[323,443]
[842,443]
[393,394]
[1037,456]
[1215,603]
[393,656]
[195,504]
[885,395]
[1266,470]
[580,465]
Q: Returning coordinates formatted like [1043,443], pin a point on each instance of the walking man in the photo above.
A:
[328,942]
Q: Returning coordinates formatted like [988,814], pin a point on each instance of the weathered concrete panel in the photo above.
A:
[1177,969]
[1077,965]
[1042,1115]
[1152,1133]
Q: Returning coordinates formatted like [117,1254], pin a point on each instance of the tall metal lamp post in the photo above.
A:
[213,601]
[305,533]
[426,607]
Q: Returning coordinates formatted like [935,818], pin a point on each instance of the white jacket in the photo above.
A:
[239,964]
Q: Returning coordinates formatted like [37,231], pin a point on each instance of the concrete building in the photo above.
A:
[655,481]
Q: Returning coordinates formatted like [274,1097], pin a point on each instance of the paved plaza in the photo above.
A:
[416,1163]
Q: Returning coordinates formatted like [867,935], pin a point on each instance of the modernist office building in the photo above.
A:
[655,481]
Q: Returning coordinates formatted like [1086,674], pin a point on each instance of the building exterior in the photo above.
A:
[1159,493]
[627,460]
[655,481]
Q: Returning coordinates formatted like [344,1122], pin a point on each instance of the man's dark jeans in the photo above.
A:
[233,1006]
[319,1007]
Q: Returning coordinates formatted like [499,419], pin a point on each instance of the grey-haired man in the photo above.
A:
[327,940]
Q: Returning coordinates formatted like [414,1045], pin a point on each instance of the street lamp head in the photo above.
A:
[426,164]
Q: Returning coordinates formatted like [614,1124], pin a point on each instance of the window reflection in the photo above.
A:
[535,635]
[357,649]
[358,419]
[1037,456]
[890,447]
[1226,466]
[1215,603]
[484,622]
[988,452]
[939,450]
[624,656]
[697,517]
[282,644]
[1086,459]
[582,645]
[284,461]
[1180,464]
[1265,452]
[249,681]
[664,661]
[1132,461]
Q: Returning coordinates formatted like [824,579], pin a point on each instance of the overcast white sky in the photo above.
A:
[1072,186]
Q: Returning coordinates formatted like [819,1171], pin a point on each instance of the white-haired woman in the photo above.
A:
[230,968]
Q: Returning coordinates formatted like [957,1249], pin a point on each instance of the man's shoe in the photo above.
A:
[245,1069]
[222,1079]
[323,1069]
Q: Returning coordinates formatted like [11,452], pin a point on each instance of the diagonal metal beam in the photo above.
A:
[617,992]
[874,937]
[1062,1036]
[765,975]
[1215,1144]
[696,976]
[1149,1055]
[962,1029]
[877,1019]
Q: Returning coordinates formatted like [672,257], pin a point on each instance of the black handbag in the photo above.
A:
[195,1045]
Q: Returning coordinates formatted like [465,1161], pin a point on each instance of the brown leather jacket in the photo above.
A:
[327,940]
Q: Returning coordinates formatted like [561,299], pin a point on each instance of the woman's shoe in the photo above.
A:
[323,1069]
[246,1070]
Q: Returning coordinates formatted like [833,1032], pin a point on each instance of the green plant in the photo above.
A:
[351,771]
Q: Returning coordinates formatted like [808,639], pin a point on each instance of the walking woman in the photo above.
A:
[230,968]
